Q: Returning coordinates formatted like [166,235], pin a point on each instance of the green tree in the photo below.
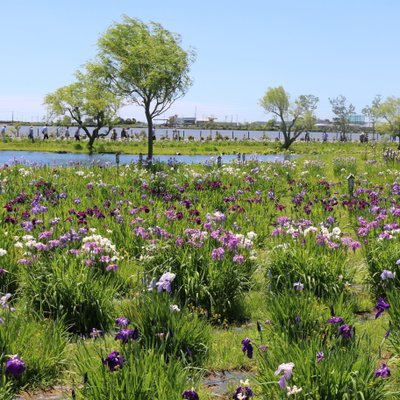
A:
[389,111]
[87,101]
[145,64]
[372,112]
[294,118]
[342,111]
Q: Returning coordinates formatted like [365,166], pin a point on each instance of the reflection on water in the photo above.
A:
[67,159]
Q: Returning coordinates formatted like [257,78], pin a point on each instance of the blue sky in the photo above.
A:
[324,48]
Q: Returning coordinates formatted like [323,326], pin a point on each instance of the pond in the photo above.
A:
[68,159]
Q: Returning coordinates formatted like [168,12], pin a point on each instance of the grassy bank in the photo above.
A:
[196,148]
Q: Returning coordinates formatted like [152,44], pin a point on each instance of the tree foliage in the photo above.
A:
[342,111]
[145,64]
[389,111]
[87,99]
[294,118]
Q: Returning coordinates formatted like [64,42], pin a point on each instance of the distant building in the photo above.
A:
[184,121]
[356,119]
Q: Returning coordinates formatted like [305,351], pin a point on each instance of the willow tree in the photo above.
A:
[87,99]
[146,65]
[294,117]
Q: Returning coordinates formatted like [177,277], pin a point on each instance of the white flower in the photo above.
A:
[336,232]
[3,252]
[27,238]
[251,235]
[293,390]
[174,308]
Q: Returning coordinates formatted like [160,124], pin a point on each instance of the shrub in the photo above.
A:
[144,374]
[73,293]
[383,256]
[40,344]
[323,370]
[324,274]
[175,333]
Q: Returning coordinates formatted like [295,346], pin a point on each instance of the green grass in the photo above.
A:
[169,147]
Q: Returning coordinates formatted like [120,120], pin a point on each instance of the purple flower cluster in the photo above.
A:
[114,361]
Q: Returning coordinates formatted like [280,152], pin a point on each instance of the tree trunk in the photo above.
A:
[92,138]
[149,135]
[287,143]
[287,139]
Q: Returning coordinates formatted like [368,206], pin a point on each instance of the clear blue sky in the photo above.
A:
[324,48]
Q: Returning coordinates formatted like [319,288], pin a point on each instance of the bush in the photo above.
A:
[40,344]
[325,275]
[73,293]
[381,256]
[299,316]
[144,374]
[179,334]
[342,372]
[217,286]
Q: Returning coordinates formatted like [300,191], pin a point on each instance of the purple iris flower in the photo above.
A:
[247,347]
[387,333]
[346,331]
[320,356]
[386,274]
[287,369]
[298,286]
[122,321]
[95,333]
[335,320]
[190,394]
[165,282]
[15,366]
[125,334]
[114,361]
[381,306]
[383,371]
[244,392]
[218,254]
